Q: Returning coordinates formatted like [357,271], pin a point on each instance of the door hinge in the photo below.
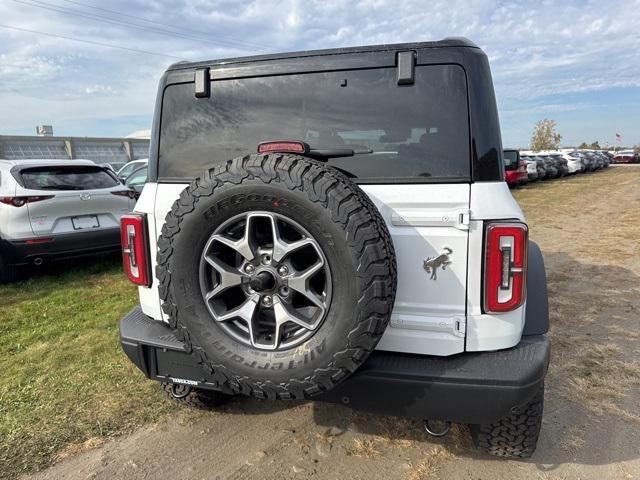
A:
[463,219]
[460,327]
[202,85]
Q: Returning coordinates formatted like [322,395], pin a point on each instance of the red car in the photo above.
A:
[625,156]
[515,169]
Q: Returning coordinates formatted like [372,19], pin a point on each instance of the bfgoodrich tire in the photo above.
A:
[515,435]
[279,273]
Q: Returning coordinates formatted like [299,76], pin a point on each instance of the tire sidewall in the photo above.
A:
[343,313]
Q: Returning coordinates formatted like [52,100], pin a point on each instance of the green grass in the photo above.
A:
[63,376]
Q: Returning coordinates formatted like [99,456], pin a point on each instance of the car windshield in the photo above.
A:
[129,168]
[64,177]
[138,177]
[399,131]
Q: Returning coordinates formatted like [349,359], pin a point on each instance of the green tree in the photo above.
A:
[545,136]
[590,146]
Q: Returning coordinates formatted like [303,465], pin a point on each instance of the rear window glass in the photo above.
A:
[67,178]
[510,160]
[402,131]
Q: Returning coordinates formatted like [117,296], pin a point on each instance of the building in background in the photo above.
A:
[44,130]
[100,150]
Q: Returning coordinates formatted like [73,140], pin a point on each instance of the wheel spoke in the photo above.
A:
[300,283]
[282,248]
[284,314]
[243,311]
[229,276]
[243,245]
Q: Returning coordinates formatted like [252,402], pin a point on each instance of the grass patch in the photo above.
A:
[64,380]
[431,464]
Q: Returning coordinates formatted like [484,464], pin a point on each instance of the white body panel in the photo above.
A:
[489,201]
[149,297]
[429,316]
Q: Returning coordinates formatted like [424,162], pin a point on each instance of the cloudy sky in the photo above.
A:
[577,62]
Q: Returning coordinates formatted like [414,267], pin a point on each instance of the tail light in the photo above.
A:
[283,147]
[20,201]
[505,267]
[125,193]
[135,250]
[36,241]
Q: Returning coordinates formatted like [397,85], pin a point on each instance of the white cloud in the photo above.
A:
[540,51]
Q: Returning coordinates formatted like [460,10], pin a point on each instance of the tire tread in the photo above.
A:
[366,234]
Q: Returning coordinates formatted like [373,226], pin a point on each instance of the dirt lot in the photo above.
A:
[587,228]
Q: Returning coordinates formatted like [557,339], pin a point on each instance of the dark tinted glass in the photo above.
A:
[407,131]
[67,178]
[510,160]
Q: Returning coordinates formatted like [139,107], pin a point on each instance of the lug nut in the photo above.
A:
[283,270]
[249,269]
[267,300]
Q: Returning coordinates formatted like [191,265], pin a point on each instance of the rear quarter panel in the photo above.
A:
[489,201]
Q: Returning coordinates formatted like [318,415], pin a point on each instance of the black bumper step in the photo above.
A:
[471,387]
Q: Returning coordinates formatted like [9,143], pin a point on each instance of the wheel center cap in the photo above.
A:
[263,281]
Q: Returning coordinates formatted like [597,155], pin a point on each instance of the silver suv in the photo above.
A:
[54,209]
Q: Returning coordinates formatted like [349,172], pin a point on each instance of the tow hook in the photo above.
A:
[179,391]
[435,432]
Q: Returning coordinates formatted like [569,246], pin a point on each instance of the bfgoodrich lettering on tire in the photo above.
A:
[279,273]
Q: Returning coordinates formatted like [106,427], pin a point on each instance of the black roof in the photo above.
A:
[446,42]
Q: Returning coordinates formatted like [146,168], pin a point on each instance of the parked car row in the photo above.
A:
[527,166]
[626,156]
[56,209]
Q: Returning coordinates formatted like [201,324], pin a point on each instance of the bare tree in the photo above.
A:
[545,136]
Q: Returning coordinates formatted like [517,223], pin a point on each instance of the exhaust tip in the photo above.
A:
[38,261]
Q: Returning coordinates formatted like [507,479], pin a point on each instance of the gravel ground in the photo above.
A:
[587,228]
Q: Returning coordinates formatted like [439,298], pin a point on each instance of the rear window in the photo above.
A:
[401,131]
[67,178]
[510,160]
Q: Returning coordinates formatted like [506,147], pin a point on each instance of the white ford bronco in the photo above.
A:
[335,225]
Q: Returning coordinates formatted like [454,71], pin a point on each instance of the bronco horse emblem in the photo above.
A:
[432,264]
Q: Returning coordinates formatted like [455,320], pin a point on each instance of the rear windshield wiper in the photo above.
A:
[326,153]
[303,148]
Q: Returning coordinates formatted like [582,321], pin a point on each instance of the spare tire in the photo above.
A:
[279,273]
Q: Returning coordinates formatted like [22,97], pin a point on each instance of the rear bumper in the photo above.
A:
[474,388]
[22,252]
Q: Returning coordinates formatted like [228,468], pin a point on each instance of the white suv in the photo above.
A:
[56,209]
[370,252]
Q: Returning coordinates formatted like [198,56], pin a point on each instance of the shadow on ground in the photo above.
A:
[591,415]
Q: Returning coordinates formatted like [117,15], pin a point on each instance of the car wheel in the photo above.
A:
[279,273]
[515,435]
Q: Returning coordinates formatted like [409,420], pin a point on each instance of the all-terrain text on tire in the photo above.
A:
[336,225]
